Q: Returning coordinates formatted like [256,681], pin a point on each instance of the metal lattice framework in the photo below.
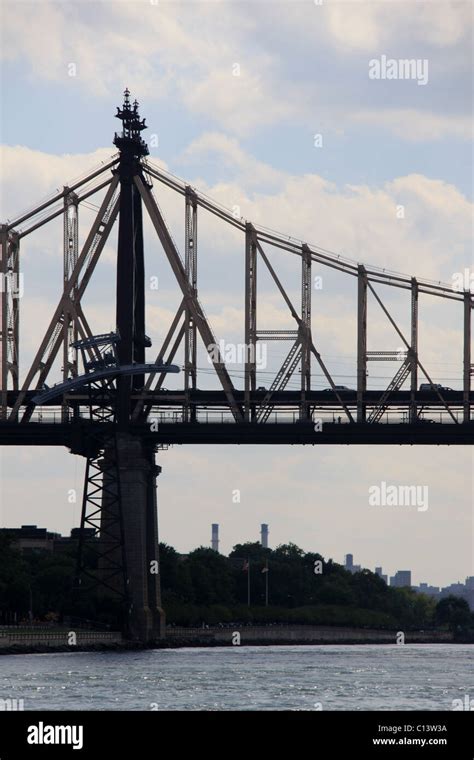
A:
[110,402]
[248,406]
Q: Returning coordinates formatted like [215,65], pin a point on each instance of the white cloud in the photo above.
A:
[226,152]
[365,26]
[30,176]
[414,126]
[289,58]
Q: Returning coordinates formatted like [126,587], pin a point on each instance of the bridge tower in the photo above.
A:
[123,465]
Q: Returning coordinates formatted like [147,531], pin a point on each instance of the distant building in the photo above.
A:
[425,588]
[215,537]
[469,593]
[349,564]
[463,590]
[401,579]
[379,572]
[63,543]
[264,535]
[32,538]
[454,589]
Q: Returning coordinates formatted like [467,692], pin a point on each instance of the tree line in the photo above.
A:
[283,585]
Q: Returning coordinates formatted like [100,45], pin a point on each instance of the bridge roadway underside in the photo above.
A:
[75,435]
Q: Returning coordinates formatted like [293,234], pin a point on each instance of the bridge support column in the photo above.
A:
[190,332]
[10,293]
[138,473]
[250,319]
[467,368]
[414,351]
[305,331]
[361,342]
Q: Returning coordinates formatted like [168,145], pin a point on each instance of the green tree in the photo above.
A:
[454,612]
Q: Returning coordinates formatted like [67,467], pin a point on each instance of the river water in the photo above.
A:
[369,677]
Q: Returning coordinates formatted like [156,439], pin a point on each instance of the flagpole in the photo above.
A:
[248,582]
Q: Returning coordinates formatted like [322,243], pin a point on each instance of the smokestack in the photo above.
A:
[264,535]
[215,537]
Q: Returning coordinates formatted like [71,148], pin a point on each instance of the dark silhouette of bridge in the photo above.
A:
[111,407]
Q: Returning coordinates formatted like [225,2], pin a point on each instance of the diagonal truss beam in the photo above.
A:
[159,360]
[295,315]
[88,258]
[415,358]
[190,298]
[394,385]
[281,380]
[60,196]
[291,245]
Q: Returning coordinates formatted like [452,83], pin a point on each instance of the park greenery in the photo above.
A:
[205,587]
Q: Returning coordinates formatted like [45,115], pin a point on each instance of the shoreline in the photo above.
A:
[16,642]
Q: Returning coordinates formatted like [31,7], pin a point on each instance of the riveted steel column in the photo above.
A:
[70,256]
[305,330]
[190,325]
[10,293]
[361,342]
[250,318]
[467,357]
[414,350]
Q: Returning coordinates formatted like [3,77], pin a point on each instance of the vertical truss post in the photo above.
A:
[414,350]
[467,358]
[190,332]
[10,293]
[70,256]
[250,318]
[361,341]
[305,330]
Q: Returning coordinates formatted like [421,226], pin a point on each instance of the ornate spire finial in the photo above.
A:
[130,140]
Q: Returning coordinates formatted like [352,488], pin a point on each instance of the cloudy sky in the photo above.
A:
[267,106]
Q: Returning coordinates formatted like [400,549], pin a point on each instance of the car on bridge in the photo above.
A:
[433,387]
[339,388]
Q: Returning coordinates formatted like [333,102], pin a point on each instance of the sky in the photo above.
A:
[270,107]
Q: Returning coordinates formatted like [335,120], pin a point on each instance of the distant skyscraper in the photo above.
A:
[215,537]
[379,572]
[264,535]
[401,578]
[349,564]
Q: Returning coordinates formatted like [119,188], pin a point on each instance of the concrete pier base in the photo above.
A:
[138,473]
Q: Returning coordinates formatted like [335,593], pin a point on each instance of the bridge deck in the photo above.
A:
[74,435]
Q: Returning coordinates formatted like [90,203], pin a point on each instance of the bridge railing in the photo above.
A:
[48,415]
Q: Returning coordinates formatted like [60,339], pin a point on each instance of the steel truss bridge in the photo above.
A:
[111,405]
